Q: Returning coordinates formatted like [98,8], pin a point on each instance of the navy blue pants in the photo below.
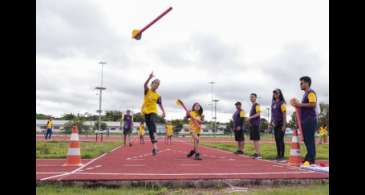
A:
[309,128]
[279,140]
[48,134]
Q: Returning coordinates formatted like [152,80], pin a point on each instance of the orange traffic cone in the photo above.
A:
[73,155]
[295,159]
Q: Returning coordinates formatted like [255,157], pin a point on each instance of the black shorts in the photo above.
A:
[151,125]
[127,131]
[239,136]
[254,133]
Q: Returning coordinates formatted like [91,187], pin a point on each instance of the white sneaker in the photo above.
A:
[258,157]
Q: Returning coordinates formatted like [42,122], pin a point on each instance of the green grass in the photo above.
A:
[57,149]
[319,189]
[53,189]
[268,151]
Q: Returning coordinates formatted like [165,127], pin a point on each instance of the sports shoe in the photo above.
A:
[258,157]
[238,152]
[197,156]
[280,160]
[154,152]
[192,152]
[130,144]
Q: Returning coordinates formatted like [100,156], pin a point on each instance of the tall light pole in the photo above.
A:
[101,88]
[215,114]
[268,117]
[211,93]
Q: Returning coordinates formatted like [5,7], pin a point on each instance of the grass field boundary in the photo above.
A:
[188,183]
[81,167]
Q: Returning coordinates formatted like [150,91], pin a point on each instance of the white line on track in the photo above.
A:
[146,154]
[240,156]
[198,174]
[48,173]
[80,168]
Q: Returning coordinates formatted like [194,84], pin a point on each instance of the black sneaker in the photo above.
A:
[281,160]
[154,152]
[130,144]
[254,155]
[192,152]
[197,156]
[238,152]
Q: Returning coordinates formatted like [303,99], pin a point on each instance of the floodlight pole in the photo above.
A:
[101,88]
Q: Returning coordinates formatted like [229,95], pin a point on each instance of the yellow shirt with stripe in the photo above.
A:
[141,130]
[283,107]
[194,128]
[312,98]
[49,124]
[150,102]
[258,108]
[242,114]
[169,130]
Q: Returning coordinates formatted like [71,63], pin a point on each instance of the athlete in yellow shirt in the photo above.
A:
[150,101]
[169,132]
[323,133]
[196,114]
[49,128]
[141,132]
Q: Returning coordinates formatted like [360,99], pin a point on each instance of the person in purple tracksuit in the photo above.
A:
[278,122]
[308,117]
[254,121]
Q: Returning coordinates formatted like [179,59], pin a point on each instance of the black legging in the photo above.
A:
[279,139]
[151,126]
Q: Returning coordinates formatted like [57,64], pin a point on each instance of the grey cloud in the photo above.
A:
[205,51]
[70,28]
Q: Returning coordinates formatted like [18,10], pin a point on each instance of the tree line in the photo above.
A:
[79,120]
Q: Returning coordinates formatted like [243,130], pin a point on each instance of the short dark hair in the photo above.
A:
[254,94]
[306,79]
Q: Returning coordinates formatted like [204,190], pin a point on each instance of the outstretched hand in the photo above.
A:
[151,75]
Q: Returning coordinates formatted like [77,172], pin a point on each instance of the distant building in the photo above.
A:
[114,127]
[205,131]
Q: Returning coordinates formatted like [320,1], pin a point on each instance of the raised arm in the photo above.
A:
[146,83]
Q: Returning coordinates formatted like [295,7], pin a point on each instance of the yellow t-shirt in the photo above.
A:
[193,127]
[150,102]
[141,130]
[49,124]
[322,131]
[169,130]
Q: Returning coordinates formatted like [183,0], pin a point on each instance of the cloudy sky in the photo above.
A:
[244,46]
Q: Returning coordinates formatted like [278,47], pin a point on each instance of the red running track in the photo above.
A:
[171,163]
